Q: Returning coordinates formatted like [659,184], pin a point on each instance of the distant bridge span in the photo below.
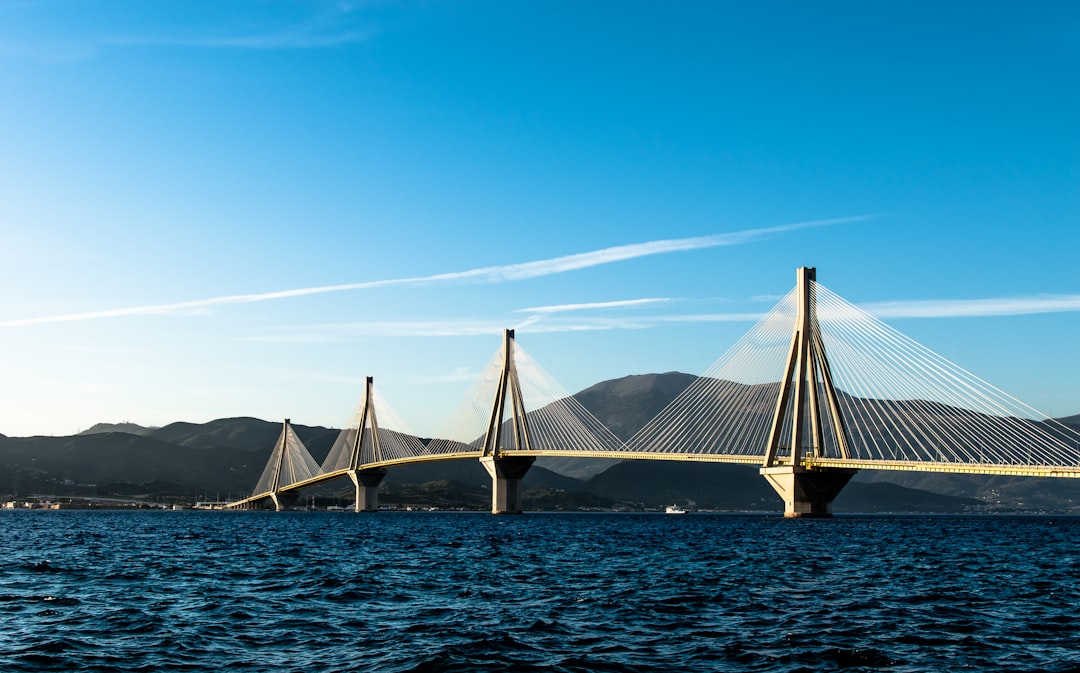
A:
[775,400]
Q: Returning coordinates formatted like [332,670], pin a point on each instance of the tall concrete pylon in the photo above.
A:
[507,470]
[806,492]
[282,501]
[366,481]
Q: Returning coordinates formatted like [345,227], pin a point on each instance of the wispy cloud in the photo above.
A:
[539,313]
[331,28]
[968,308]
[333,24]
[622,303]
[488,327]
[490,274]
[374,328]
[283,40]
[583,323]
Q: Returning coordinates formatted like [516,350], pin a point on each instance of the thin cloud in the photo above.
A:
[389,328]
[488,327]
[491,274]
[291,38]
[622,303]
[545,312]
[555,323]
[337,25]
[969,308]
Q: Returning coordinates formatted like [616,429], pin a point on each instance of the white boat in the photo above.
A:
[674,509]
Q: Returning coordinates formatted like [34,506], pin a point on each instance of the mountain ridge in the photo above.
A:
[228,455]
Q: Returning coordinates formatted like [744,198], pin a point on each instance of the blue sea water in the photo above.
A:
[311,592]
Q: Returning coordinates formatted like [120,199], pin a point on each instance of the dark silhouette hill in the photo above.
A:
[58,465]
[245,434]
[129,428]
[624,405]
[226,457]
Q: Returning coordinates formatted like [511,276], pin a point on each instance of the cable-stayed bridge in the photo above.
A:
[817,390]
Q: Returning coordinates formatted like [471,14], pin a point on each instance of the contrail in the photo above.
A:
[489,274]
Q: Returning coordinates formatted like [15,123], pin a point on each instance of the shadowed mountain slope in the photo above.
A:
[228,455]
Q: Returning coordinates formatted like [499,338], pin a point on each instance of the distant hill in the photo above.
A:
[624,405]
[244,434]
[129,428]
[224,458]
[994,493]
[655,484]
[739,487]
[72,465]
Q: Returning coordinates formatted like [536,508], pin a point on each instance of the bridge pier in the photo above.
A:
[506,475]
[806,493]
[367,488]
[284,501]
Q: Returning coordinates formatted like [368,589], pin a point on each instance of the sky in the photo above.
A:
[217,209]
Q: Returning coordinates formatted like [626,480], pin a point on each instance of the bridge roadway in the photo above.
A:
[808,462]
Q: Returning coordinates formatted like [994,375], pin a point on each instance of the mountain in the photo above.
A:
[887,497]
[618,403]
[225,457]
[624,405]
[244,434]
[739,487]
[129,428]
[994,493]
[653,484]
[82,463]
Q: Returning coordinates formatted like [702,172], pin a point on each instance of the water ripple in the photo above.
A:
[226,592]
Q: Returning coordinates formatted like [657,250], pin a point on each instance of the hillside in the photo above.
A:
[129,428]
[87,464]
[224,458]
[624,406]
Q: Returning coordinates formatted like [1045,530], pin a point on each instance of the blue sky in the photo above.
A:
[217,209]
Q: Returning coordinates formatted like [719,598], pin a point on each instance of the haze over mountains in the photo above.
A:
[224,458]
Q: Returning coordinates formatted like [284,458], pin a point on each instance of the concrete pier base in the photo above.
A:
[367,488]
[806,493]
[506,475]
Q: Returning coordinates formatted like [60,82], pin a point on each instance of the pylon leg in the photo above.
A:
[506,475]
[806,493]
[284,501]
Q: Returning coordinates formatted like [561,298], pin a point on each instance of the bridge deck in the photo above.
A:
[809,463]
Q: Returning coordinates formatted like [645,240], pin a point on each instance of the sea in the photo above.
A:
[308,592]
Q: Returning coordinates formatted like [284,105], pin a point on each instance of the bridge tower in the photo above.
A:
[507,470]
[806,491]
[282,501]
[366,480]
